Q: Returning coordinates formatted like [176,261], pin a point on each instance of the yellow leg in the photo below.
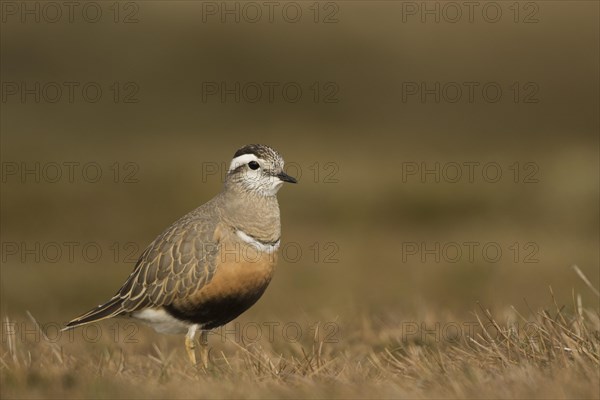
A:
[204,348]
[190,343]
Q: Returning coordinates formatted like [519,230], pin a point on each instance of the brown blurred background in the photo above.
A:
[161,132]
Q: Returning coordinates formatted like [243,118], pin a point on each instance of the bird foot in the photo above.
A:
[204,349]
[190,348]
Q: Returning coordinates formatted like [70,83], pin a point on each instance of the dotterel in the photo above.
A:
[213,263]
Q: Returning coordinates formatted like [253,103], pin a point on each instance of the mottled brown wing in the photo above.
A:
[179,262]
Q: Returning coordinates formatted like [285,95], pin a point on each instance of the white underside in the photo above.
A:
[267,248]
[161,321]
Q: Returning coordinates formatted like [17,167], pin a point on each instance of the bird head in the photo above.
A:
[257,169]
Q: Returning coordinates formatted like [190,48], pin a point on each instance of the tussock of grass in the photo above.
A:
[553,352]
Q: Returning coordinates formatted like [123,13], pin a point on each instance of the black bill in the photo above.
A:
[286,178]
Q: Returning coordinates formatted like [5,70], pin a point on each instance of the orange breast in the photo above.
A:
[241,277]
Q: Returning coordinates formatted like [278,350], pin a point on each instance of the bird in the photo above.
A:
[213,263]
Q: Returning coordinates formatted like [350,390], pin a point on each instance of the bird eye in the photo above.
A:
[253,165]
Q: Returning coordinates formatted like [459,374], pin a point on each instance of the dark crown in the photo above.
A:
[259,150]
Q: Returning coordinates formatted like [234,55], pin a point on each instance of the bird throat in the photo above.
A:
[255,215]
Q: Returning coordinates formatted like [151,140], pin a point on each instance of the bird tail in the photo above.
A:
[110,309]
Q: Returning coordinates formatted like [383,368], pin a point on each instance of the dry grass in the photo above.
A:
[369,210]
[552,353]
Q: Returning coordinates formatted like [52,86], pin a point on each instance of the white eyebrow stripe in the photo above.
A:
[241,160]
[267,248]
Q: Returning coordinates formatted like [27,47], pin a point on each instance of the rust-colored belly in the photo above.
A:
[238,283]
